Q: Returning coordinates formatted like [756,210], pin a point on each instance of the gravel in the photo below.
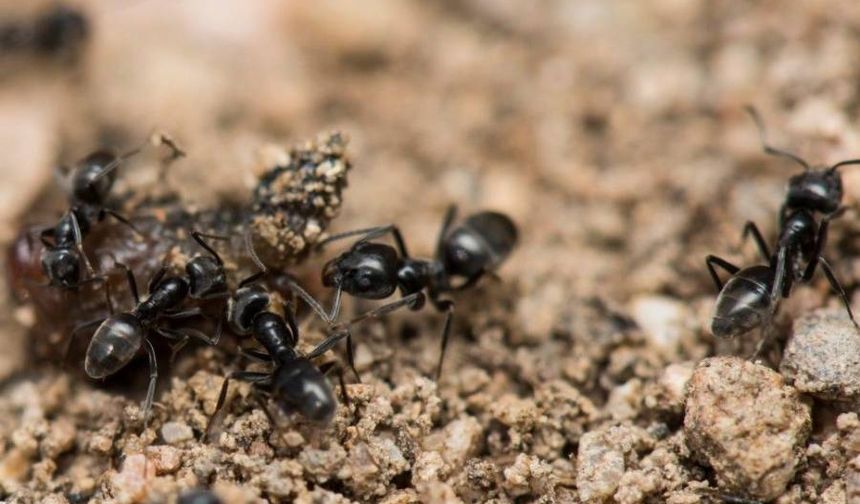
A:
[822,356]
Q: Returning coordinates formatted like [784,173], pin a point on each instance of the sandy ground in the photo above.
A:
[613,133]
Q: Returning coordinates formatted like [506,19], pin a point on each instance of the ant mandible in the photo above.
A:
[371,270]
[294,382]
[119,337]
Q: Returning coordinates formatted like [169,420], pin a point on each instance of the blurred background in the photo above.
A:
[613,132]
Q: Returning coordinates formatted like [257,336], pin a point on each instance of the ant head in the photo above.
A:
[368,270]
[481,243]
[88,183]
[815,190]
[206,277]
[113,345]
[246,303]
[62,266]
[301,386]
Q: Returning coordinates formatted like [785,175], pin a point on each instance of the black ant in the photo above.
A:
[91,181]
[119,337]
[90,184]
[60,30]
[750,297]
[371,270]
[294,382]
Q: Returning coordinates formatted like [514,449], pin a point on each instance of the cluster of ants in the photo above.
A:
[368,269]
[750,297]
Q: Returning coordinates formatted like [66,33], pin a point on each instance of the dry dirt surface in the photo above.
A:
[612,132]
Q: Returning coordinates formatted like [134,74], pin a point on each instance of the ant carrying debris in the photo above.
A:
[119,337]
[294,382]
[750,297]
[371,270]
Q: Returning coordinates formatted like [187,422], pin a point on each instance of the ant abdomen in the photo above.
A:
[113,345]
[482,242]
[744,302]
[301,386]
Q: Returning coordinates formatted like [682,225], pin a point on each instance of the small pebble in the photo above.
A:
[166,459]
[176,432]
[822,356]
[747,424]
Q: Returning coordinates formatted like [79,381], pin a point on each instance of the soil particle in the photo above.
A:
[176,432]
[822,356]
[603,457]
[747,424]
[529,475]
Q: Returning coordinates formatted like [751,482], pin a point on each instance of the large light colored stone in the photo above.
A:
[745,422]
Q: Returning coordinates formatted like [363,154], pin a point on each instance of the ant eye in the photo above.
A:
[364,281]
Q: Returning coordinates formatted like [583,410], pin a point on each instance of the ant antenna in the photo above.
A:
[113,165]
[767,148]
[843,163]
[156,139]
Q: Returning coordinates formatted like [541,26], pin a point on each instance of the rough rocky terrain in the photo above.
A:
[614,135]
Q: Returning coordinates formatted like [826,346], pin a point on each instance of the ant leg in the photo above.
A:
[191,312]
[327,368]
[711,260]
[350,356]
[412,300]
[781,280]
[767,148]
[819,243]
[450,215]
[132,283]
[328,343]
[249,376]
[78,328]
[751,228]
[315,305]
[766,332]
[198,237]
[255,355]
[119,218]
[834,282]
[447,306]
[183,336]
[79,242]
[153,380]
